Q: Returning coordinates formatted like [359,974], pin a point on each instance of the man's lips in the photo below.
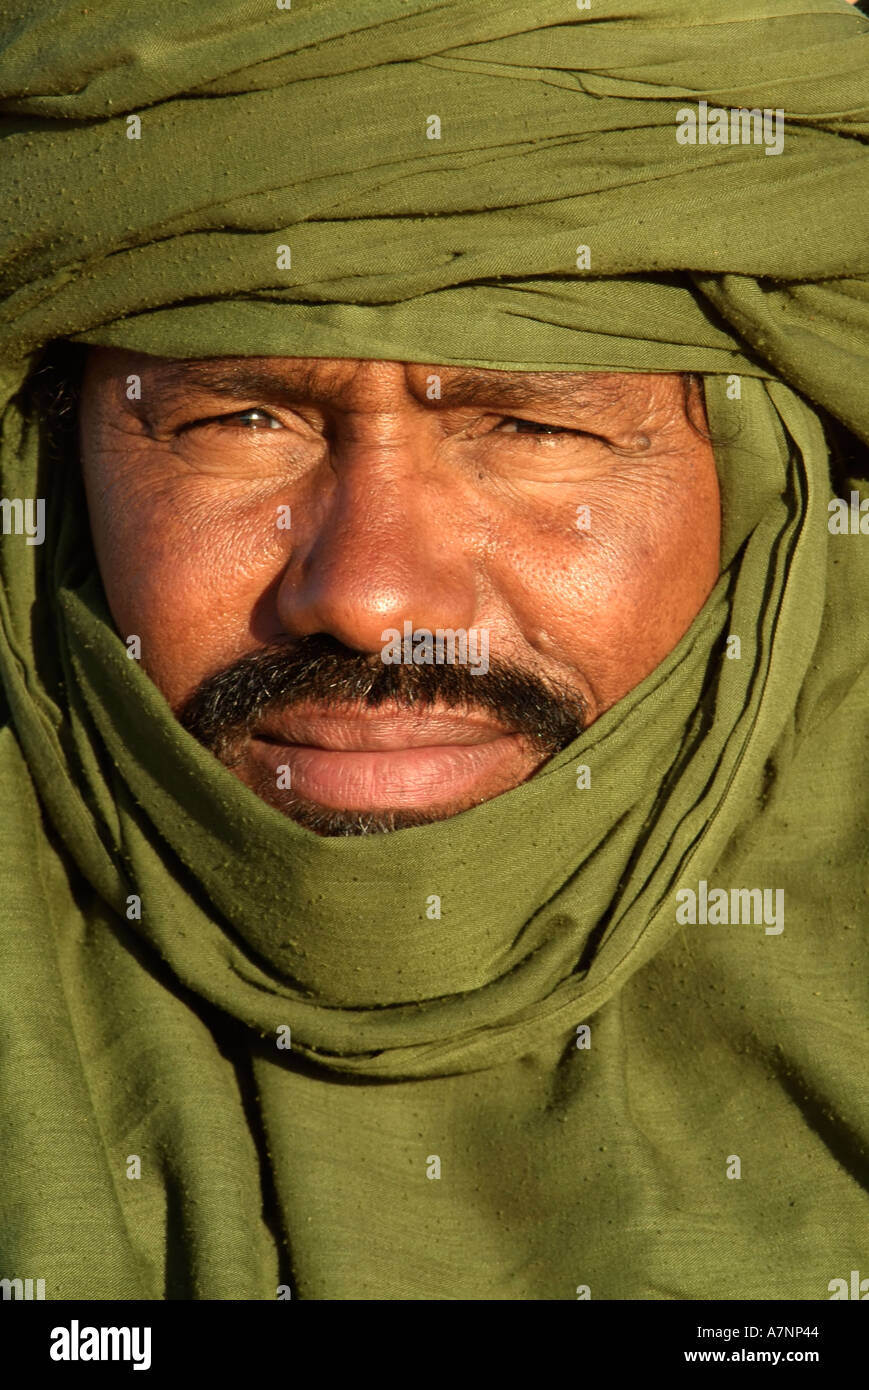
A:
[377,729]
[381,760]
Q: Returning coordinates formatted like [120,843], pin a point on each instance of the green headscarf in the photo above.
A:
[161,1036]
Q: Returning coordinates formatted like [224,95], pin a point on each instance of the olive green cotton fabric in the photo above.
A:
[435,1130]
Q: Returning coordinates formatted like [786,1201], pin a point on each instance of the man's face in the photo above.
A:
[264,526]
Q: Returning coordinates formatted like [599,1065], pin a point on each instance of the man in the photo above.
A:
[452,515]
[434,770]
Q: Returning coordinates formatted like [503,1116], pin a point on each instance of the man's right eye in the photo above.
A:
[254,418]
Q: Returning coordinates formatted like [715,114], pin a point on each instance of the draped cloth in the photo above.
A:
[239,179]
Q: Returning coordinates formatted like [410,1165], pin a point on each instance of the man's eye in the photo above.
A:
[520,426]
[254,419]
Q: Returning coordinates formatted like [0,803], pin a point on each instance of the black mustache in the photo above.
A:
[319,669]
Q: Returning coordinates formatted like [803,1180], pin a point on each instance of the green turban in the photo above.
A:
[239,1057]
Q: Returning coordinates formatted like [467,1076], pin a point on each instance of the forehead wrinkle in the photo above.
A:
[244,378]
[236,378]
[466,386]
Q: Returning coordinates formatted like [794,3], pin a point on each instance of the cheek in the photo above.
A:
[183,565]
[611,601]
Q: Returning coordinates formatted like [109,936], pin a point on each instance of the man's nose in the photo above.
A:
[379,542]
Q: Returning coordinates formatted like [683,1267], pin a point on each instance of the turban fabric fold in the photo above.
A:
[416,181]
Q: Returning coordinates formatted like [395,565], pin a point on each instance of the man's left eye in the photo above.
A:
[256,419]
[533,427]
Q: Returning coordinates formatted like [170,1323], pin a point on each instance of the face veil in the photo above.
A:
[552,222]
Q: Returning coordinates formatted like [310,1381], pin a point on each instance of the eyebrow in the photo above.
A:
[243,380]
